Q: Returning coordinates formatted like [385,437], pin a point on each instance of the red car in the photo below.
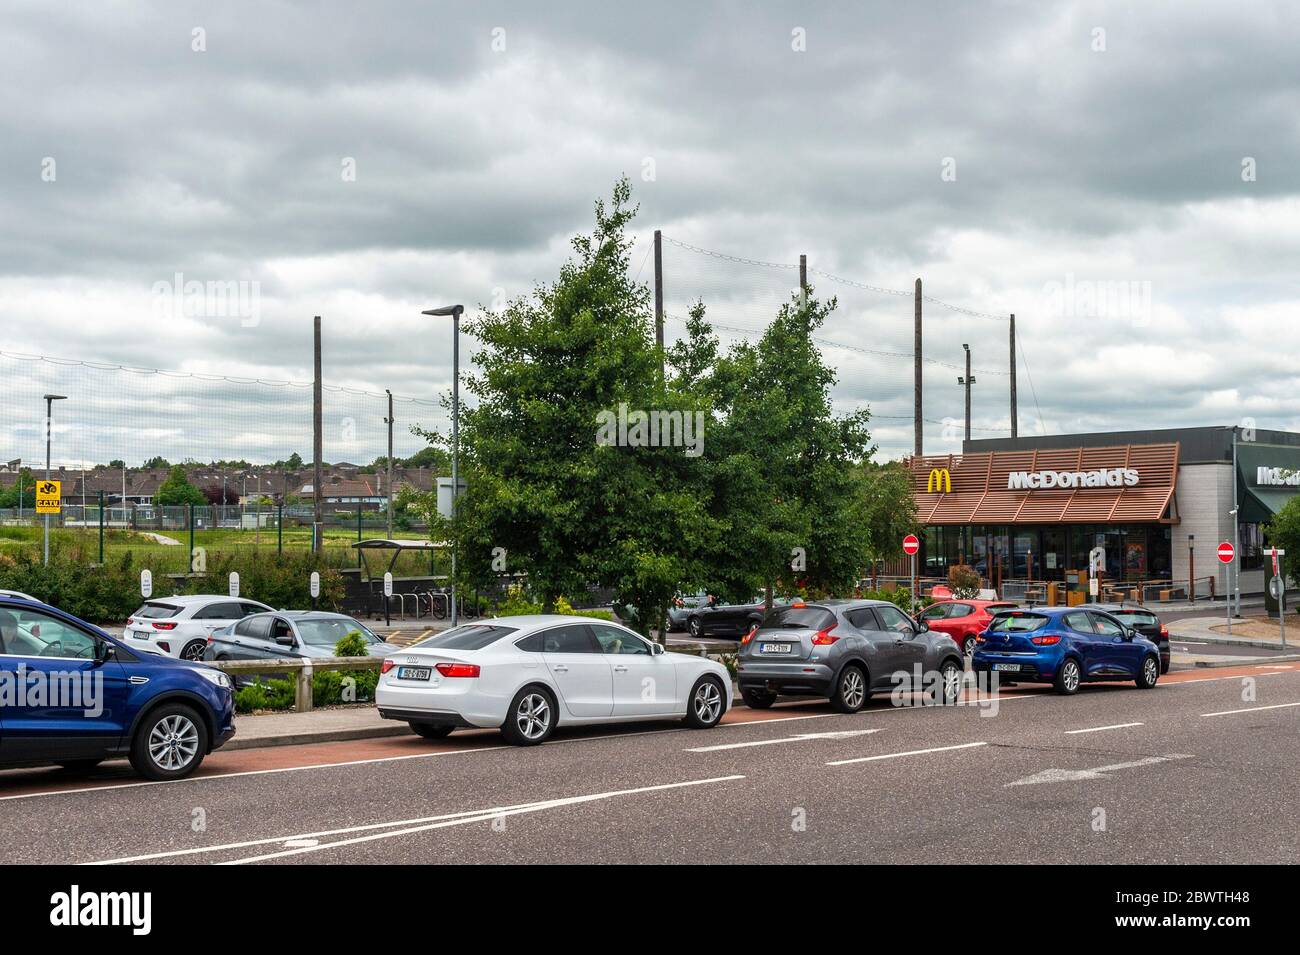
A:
[963,619]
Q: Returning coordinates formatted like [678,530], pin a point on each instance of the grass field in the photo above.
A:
[162,557]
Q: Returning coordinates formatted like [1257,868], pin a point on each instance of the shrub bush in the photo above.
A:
[110,593]
[352,645]
[964,582]
[328,688]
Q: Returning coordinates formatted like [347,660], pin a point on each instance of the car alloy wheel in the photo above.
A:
[533,716]
[194,650]
[852,688]
[951,683]
[1150,672]
[968,645]
[707,702]
[173,742]
[694,626]
[1070,676]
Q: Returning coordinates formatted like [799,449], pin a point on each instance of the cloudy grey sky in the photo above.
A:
[1125,178]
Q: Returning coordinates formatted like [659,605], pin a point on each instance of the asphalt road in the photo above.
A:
[1195,770]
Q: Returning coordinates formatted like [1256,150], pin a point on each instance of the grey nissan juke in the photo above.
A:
[845,650]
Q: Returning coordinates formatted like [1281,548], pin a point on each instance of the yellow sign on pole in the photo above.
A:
[49,497]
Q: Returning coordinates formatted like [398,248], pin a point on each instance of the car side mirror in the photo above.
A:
[656,649]
[284,640]
[105,651]
[922,626]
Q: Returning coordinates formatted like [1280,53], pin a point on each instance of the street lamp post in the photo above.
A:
[966,382]
[49,422]
[455,312]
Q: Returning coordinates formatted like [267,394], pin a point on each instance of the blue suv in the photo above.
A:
[73,696]
[1065,646]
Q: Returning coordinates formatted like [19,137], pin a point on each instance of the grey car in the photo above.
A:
[290,633]
[844,650]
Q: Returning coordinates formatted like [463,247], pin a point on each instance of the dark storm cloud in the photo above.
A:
[475,164]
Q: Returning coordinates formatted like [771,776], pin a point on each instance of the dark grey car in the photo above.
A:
[290,633]
[844,650]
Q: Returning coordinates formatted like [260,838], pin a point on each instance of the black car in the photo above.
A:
[726,621]
[1144,622]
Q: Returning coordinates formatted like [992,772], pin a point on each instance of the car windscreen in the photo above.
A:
[797,618]
[328,631]
[1136,618]
[1018,622]
[156,611]
[472,636]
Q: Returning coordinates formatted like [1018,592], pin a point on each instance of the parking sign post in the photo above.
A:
[911,545]
[1226,554]
[1278,585]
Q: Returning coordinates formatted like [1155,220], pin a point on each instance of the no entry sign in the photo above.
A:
[1226,552]
[911,545]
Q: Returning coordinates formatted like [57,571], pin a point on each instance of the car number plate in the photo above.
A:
[776,648]
[1007,667]
[414,673]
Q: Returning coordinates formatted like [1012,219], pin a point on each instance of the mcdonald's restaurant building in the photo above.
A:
[1157,502]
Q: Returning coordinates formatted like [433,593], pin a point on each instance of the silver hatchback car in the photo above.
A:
[845,650]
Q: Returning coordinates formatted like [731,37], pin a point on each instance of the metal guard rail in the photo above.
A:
[304,667]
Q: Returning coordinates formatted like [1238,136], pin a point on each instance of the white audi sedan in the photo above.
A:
[529,674]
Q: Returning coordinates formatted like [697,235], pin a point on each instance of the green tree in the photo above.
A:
[1284,532]
[178,491]
[545,497]
[807,507]
[10,493]
[158,461]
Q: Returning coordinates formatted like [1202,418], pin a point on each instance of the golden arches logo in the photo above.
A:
[940,480]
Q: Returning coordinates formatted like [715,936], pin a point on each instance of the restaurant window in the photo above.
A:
[1252,546]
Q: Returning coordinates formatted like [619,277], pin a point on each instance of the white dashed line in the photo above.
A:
[913,752]
[1098,729]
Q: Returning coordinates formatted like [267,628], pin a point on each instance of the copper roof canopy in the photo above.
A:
[980,493]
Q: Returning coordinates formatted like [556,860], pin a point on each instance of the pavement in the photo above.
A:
[1189,772]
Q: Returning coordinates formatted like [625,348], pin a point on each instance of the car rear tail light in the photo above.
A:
[1050,640]
[798,604]
[824,638]
[981,638]
[749,636]
[457,669]
[1164,631]
[387,665]
[164,624]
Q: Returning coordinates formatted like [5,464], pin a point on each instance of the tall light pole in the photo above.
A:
[389,421]
[49,427]
[967,382]
[455,312]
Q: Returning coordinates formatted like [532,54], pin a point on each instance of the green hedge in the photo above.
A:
[111,593]
[327,689]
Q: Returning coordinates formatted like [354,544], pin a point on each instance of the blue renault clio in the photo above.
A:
[1065,647]
[73,696]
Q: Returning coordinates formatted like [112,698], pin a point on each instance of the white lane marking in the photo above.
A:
[1252,709]
[1276,666]
[311,840]
[844,734]
[914,752]
[1098,729]
[304,838]
[481,817]
[1079,775]
[249,772]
